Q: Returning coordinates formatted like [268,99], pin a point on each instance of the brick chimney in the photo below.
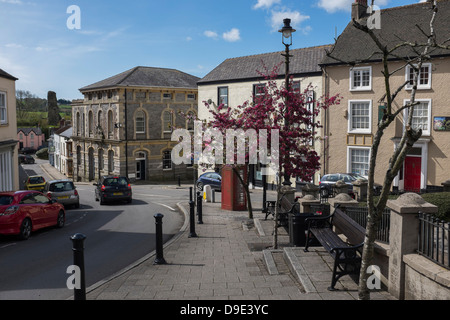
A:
[359,9]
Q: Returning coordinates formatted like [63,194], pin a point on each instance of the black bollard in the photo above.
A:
[199,208]
[78,260]
[159,241]
[190,193]
[192,233]
[179,180]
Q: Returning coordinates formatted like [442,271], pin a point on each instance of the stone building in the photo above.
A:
[123,125]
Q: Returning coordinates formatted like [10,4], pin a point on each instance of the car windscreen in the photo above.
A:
[6,200]
[116,181]
[61,186]
[35,180]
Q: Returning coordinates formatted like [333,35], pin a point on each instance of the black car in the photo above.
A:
[113,188]
[328,180]
[25,158]
[209,178]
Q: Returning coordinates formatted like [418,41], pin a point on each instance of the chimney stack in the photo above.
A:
[359,9]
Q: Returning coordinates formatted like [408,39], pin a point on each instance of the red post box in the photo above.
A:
[233,193]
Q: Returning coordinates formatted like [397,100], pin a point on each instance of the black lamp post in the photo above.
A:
[286,33]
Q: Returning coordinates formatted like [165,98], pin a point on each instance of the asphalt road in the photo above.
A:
[117,236]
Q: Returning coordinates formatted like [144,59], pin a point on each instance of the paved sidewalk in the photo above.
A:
[229,259]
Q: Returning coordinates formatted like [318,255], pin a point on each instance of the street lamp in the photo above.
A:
[286,33]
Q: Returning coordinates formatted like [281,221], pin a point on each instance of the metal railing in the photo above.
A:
[359,214]
[433,240]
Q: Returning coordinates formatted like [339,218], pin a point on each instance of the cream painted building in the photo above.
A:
[237,80]
[351,125]
[9,163]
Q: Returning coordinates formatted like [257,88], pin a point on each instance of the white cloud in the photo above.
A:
[265,4]
[211,34]
[296,17]
[332,6]
[232,35]
[11,1]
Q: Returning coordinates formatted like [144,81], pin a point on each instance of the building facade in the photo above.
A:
[31,138]
[123,126]
[351,126]
[237,80]
[9,163]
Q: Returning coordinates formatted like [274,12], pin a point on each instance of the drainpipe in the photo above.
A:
[126,134]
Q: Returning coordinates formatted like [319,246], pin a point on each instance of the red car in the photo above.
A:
[22,212]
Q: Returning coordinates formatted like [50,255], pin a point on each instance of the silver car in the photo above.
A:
[63,191]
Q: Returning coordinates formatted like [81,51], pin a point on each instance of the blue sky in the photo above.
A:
[193,36]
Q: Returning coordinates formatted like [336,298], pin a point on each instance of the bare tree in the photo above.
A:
[418,54]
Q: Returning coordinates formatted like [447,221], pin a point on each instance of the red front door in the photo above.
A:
[412,173]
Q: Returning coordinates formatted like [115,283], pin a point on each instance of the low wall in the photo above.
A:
[425,280]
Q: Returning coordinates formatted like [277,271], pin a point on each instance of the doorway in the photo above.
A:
[412,173]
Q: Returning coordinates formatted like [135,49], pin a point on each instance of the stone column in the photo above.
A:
[310,189]
[360,189]
[404,230]
[289,193]
[341,187]
[306,202]
[344,200]
[446,185]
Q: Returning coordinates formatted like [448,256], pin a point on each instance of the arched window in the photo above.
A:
[99,118]
[167,118]
[100,159]
[110,161]
[140,122]
[78,124]
[91,123]
[110,123]
[191,117]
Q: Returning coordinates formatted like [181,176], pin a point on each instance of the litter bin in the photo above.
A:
[297,229]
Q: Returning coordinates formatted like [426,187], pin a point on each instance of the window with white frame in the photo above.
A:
[424,79]
[167,160]
[421,117]
[361,78]
[358,160]
[360,116]
[3,108]
[140,122]
[222,93]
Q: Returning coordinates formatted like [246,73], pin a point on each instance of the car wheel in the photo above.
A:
[61,220]
[200,186]
[25,229]
[129,200]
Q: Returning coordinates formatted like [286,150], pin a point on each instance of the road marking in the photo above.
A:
[164,205]
[151,195]
[8,245]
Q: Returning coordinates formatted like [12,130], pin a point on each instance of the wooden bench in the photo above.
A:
[347,256]
[285,207]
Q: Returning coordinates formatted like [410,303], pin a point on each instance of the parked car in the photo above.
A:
[35,183]
[328,180]
[63,191]
[27,150]
[113,188]
[209,178]
[22,212]
[25,158]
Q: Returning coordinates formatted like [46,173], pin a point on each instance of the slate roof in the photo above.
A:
[6,75]
[304,61]
[147,77]
[26,131]
[398,25]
